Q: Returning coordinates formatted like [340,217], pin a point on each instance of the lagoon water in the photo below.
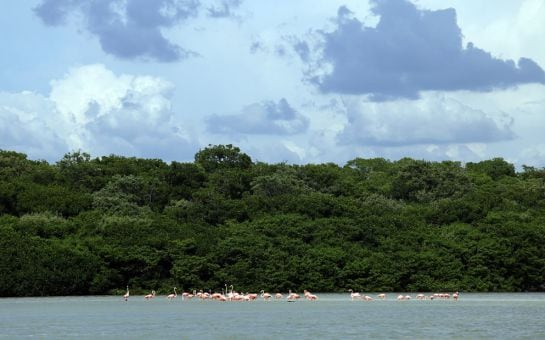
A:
[333,316]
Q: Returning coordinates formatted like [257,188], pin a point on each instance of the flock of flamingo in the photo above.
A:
[232,295]
[382,296]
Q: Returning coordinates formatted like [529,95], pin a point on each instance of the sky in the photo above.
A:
[307,81]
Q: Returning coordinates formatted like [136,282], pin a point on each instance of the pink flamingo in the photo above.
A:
[172,296]
[353,295]
[216,296]
[150,296]
[278,296]
[126,296]
[310,296]
[230,294]
[251,296]
[382,296]
[455,296]
[265,296]
[293,296]
[367,298]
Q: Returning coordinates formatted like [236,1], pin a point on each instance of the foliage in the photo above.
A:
[94,225]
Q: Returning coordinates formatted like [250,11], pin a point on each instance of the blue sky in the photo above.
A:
[287,81]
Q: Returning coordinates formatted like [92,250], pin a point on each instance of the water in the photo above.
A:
[333,316]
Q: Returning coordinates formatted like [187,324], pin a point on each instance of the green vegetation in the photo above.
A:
[93,226]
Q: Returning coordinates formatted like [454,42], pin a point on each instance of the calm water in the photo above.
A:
[333,316]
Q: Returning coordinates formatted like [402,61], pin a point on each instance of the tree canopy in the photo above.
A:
[89,225]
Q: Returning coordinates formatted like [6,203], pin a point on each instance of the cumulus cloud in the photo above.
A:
[408,51]
[264,118]
[126,28]
[93,109]
[27,124]
[430,120]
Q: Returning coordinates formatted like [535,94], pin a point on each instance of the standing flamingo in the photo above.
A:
[230,295]
[150,296]
[455,296]
[265,296]
[126,296]
[172,296]
[354,295]
[278,296]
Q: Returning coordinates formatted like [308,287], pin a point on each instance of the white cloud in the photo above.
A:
[94,110]
[28,125]
[434,119]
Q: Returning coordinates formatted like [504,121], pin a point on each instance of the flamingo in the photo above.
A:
[150,296]
[455,296]
[293,296]
[278,296]
[230,295]
[252,296]
[382,296]
[216,296]
[367,298]
[126,296]
[354,295]
[265,296]
[172,296]
[310,296]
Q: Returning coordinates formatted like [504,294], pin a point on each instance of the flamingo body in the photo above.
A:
[172,296]
[126,296]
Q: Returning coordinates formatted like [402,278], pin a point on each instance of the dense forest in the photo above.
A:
[95,225]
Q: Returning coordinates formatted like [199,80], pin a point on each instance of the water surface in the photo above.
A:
[333,316]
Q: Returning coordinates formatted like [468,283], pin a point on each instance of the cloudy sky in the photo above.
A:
[306,81]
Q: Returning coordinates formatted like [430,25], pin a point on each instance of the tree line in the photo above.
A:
[95,225]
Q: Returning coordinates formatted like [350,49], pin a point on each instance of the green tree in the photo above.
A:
[216,157]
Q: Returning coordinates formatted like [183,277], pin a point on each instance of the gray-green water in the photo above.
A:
[333,316]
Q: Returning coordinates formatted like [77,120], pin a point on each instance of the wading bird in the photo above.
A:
[150,296]
[172,296]
[126,296]
[354,295]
